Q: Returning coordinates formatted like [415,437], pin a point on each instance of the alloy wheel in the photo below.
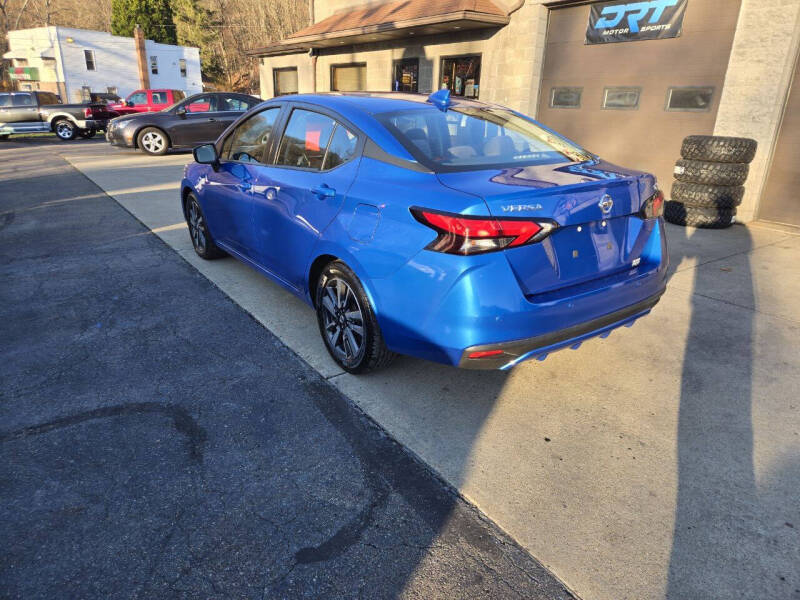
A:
[153,142]
[64,129]
[197,227]
[343,320]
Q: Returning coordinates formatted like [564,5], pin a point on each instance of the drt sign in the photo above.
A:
[621,21]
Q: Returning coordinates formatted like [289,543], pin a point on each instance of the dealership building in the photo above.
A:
[626,79]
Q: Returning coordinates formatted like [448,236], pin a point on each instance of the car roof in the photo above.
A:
[360,109]
[374,102]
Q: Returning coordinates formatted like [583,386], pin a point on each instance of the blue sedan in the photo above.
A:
[448,229]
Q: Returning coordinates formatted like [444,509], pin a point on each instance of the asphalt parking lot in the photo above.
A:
[157,442]
[663,462]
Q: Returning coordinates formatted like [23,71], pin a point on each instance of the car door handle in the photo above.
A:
[323,191]
[212,119]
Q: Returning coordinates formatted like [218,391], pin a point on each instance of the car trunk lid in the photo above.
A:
[595,205]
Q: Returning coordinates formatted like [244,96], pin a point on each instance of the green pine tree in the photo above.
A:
[154,17]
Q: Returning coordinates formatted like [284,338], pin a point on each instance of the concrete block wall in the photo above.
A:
[757,84]
[511,59]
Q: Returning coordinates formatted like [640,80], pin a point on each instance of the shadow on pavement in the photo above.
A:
[731,536]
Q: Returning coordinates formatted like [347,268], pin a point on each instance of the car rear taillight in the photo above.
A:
[88,112]
[653,207]
[459,234]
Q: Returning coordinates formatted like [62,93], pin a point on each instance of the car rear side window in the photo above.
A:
[159,97]
[22,100]
[341,149]
[5,99]
[249,140]
[305,140]
[233,104]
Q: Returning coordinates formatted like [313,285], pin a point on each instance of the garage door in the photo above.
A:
[634,102]
[781,201]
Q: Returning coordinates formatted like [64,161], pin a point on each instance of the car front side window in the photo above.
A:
[248,142]
[140,98]
[201,104]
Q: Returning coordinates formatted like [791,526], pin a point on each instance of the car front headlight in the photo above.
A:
[120,124]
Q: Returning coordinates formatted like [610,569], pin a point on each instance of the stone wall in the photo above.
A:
[757,84]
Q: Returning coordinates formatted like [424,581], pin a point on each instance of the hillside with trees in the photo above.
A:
[223,29]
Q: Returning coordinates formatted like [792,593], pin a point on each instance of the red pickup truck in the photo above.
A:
[147,101]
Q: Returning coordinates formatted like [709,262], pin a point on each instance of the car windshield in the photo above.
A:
[467,137]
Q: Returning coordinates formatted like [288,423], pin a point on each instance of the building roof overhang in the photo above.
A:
[393,20]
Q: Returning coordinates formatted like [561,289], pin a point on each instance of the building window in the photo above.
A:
[461,75]
[565,97]
[88,56]
[693,99]
[284,81]
[349,78]
[621,98]
[154,65]
[405,75]
[112,90]
[182,66]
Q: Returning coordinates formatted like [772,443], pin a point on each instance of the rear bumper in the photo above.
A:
[93,124]
[443,307]
[506,355]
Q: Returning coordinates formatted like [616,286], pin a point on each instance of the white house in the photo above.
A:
[73,62]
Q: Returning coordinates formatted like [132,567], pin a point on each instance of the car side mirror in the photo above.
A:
[206,155]
[129,103]
[181,112]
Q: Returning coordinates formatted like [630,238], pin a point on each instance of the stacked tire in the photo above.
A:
[710,180]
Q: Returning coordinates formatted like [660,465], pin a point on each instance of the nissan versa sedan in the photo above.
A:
[447,229]
[196,120]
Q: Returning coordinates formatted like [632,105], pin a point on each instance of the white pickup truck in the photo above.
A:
[35,112]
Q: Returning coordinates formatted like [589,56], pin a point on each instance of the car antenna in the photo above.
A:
[440,99]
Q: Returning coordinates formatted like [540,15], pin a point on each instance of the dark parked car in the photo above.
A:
[37,112]
[198,119]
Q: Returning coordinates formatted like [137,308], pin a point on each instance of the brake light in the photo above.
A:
[653,207]
[459,234]
[88,112]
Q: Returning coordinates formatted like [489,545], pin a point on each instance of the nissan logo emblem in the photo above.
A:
[605,204]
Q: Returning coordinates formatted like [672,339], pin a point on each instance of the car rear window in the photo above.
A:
[471,137]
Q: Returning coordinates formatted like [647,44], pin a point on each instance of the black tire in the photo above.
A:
[707,196]
[148,141]
[65,129]
[4,136]
[708,218]
[711,173]
[201,238]
[338,323]
[88,133]
[719,149]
